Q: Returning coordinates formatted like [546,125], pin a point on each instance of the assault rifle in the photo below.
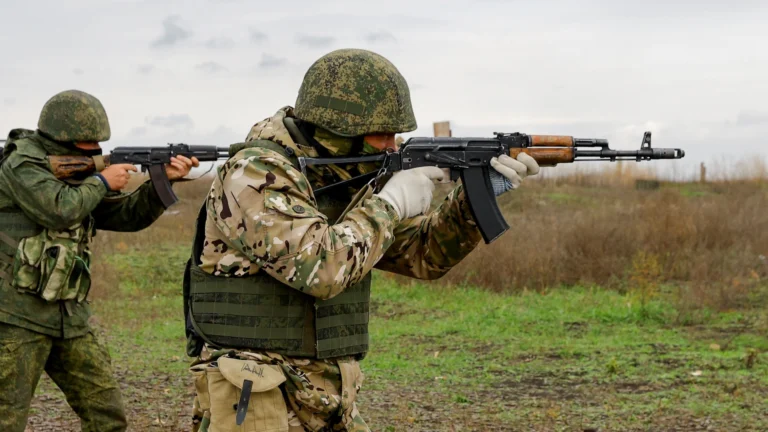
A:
[151,159]
[470,160]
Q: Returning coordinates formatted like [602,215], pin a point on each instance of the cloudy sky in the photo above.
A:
[203,71]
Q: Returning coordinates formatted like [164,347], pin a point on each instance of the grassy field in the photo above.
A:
[636,340]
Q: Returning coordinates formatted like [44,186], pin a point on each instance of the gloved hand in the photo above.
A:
[410,191]
[508,173]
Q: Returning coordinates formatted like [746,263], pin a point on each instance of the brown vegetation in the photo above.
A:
[708,238]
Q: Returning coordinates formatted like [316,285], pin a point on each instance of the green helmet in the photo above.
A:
[353,92]
[74,116]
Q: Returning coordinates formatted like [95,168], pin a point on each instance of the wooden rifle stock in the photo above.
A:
[73,167]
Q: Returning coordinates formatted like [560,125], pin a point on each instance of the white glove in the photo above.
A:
[410,191]
[508,173]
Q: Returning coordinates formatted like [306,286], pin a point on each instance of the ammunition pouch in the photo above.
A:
[55,265]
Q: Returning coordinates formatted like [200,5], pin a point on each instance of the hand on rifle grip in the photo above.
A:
[410,191]
[117,176]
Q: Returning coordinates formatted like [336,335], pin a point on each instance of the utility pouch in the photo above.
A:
[80,278]
[55,265]
[26,264]
[243,396]
[201,410]
[55,270]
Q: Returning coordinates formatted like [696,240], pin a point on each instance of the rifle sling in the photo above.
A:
[99,163]
[353,182]
[293,130]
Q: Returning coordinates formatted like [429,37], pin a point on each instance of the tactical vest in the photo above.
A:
[54,265]
[260,313]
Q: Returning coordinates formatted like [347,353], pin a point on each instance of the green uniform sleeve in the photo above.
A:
[426,247]
[262,216]
[45,199]
[129,212]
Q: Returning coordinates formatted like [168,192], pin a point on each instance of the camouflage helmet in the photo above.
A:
[353,92]
[74,116]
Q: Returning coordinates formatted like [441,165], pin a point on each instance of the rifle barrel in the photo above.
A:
[644,154]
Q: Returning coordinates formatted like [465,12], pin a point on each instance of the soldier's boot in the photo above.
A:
[22,359]
[82,369]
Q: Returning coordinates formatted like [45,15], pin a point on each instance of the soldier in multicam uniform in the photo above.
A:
[277,289]
[46,227]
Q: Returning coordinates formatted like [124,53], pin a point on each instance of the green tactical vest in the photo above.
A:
[260,313]
[51,264]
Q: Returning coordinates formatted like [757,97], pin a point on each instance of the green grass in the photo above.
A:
[468,359]
[566,348]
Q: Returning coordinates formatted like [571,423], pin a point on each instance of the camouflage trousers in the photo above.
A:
[286,394]
[79,366]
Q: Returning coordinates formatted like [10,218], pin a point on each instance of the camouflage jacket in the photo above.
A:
[262,216]
[27,184]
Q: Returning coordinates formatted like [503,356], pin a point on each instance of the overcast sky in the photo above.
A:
[203,71]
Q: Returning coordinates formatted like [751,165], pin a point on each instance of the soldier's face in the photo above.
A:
[381,142]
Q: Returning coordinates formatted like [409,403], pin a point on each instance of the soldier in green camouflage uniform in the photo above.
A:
[46,226]
[278,287]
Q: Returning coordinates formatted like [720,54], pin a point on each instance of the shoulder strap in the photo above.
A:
[293,129]
[286,152]
[199,238]
[194,341]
